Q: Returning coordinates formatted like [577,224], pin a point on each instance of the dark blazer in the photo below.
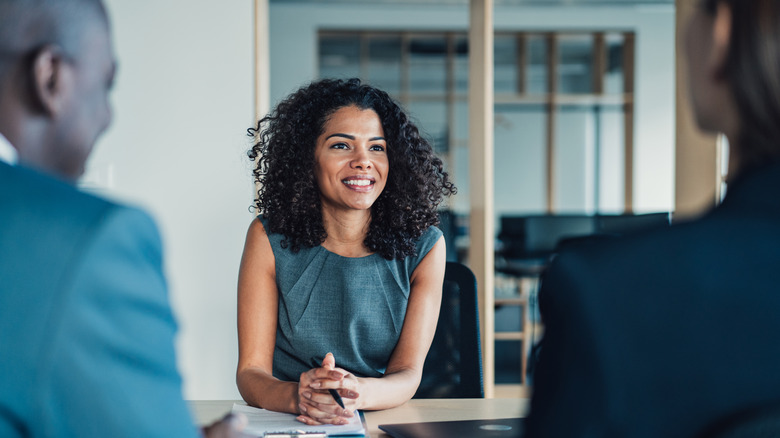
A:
[86,330]
[661,334]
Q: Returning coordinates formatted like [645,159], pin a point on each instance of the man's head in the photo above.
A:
[56,70]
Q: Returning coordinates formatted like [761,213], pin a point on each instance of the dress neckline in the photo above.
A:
[346,257]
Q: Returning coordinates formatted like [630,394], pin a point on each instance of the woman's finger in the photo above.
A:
[329,362]
[320,416]
[307,420]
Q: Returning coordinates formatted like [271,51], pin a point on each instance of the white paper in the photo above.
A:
[262,421]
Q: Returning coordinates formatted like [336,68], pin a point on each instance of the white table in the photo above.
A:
[418,410]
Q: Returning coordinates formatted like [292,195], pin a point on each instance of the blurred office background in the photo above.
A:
[579,84]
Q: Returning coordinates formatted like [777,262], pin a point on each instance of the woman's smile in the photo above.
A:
[360,183]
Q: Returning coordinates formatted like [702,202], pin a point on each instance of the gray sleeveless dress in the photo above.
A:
[352,307]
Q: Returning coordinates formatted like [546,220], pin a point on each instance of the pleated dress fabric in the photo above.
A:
[351,307]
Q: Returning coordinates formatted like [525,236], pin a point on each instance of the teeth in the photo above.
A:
[357,182]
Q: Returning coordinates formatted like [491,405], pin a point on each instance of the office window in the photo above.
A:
[563,127]
[575,64]
[384,62]
[340,57]
[535,69]
[564,109]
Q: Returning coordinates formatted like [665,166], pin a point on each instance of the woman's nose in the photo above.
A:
[361,160]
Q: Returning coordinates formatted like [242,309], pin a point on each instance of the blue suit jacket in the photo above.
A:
[86,330]
[665,333]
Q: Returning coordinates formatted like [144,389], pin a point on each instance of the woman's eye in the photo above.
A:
[338,146]
[377,147]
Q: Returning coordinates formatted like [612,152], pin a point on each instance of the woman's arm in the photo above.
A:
[404,370]
[257,318]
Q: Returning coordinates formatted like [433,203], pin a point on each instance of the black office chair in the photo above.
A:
[453,367]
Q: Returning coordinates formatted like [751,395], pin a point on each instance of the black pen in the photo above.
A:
[337,397]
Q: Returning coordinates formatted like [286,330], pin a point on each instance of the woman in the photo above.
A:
[340,281]
[673,333]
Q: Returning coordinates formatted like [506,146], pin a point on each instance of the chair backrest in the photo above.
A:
[448,227]
[453,367]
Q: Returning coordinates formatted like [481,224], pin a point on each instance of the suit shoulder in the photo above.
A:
[600,249]
[33,189]
[36,188]
[49,213]
[644,261]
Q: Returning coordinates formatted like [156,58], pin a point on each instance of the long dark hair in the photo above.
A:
[753,72]
[288,196]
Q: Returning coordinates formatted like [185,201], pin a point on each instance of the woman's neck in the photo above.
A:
[346,231]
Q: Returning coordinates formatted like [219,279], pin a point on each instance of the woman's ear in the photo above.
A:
[721,39]
[51,79]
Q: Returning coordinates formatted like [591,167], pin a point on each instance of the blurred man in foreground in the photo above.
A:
[86,330]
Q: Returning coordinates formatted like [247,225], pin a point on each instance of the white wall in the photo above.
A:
[294,28]
[183,101]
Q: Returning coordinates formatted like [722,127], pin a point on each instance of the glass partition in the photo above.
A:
[562,129]
[384,62]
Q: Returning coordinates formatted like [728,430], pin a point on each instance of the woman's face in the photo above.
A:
[351,163]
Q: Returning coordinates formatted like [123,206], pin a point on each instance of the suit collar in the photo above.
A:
[8,153]
[755,186]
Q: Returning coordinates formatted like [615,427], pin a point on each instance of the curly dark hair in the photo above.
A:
[288,195]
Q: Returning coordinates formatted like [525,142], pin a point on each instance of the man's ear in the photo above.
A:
[721,39]
[50,79]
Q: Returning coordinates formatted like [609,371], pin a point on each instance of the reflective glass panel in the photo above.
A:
[461,120]
[574,161]
[384,63]
[589,158]
[520,169]
[611,184]
[461,64]
[431,118]
[339,56]
[427,64]
[459,156]
[575,64]
[536,68]
[508,369]
[614,78]
[505,63]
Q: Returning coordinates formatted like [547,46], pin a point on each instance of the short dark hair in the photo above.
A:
[29,25]
[753,72]
[288,195]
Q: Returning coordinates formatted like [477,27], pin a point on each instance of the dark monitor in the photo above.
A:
[537,236]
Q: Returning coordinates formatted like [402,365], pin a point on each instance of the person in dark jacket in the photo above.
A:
[667,333]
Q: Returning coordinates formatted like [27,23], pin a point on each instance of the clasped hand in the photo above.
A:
[315,403]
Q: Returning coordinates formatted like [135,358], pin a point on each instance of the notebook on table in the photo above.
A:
[262,421]
[499,428]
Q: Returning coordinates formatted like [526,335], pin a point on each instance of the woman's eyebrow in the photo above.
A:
[338,134]
[352,137]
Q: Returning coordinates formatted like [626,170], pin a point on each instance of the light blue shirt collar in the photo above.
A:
[8,153]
